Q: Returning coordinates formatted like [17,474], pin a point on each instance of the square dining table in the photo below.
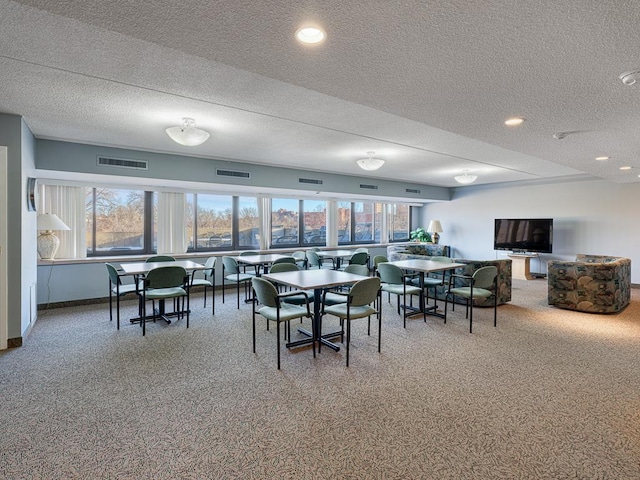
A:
[316,280]
[260,260]
[336,255]
[422,267]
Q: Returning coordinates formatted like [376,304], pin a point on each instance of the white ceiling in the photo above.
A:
[426,85]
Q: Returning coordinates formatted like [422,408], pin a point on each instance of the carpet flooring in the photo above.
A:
[548,394]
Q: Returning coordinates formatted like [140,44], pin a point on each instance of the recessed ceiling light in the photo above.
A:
[310,35]
[602,158]
[625,168]
[514,121]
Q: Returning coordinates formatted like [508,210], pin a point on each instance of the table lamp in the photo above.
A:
[48,243]
[434,228]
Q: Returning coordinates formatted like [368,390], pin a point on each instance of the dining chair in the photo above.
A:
[377,259]
[358,305]
[275,309]
[477,286]
[161,284]
[208,280]
[244,266]
[301,258]
[435,281]
[117,288]
[314,261]
[358,258]
[160,258]
[231,272]
[291,260]
[395,281]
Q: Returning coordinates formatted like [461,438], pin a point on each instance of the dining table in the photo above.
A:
[335,255]
[317,280]
[259,260]
[423,267]
[139,269]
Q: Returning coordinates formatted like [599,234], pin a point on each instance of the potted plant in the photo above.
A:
[420,235]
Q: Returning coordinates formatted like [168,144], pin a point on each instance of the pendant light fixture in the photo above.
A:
[187,134]
[370,163]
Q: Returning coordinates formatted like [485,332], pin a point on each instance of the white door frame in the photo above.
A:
[4,317]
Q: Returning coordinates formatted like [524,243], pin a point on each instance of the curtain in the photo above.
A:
[387,210]
[332,223]
[69,204]
[172,231]
[264,213]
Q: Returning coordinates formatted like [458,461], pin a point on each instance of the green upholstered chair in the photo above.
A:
[434,281]
[117,288]
[160,258]
[290,259]
[358,258]
[162,283]
[314,261]
[358,305]
[231,273]
[207,281]
[301,258]
[477,286]
[396,282]
[271,305]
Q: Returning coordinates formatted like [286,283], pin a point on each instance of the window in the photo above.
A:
[399,223]
[285,214]
[116,221]
[344,222]
[248,223]
[314,218]
[213,222]
[364,222]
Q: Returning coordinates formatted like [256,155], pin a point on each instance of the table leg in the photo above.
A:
[324,339]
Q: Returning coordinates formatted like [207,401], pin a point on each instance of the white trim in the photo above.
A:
[4,317]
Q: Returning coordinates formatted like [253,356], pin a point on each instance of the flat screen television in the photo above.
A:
[523,234]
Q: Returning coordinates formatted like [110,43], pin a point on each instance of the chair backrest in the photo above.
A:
[358,258]
[266,292]
[284,260]
[166,277]
[283,267]
[313,258]
[160,258]
[248,252]
[357,270]
[210,265]
[379,259]
[438,258]
[299,255]
[314,249]
[362,249]
[485,276]
[230,265]
[364,292]
[113,274]
[390,273]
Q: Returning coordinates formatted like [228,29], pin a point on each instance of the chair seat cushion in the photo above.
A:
[298,299]
[125,289]
[242,277]
[331,298]
[400,289]
[158,293]
[340,310]
[428,281]
[287,312]
[201,281]
[466,292]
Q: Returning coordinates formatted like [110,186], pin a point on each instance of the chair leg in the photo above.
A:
[313,335]
[188,306]
[253,309]
[213,295]
[117,311]
[348,338]
[278,341]
[471,315]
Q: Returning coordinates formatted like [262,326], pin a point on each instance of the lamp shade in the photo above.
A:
[434,227]
[187,134]
[50,221]
[370,163]
[465,178]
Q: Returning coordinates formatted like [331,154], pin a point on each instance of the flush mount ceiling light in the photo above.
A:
[629,78]
[310,35]
[514,121]
[370,163]
[602,158]
[187,134]
[625,168]
[465,178]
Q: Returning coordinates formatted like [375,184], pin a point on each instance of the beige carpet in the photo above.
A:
[548,394]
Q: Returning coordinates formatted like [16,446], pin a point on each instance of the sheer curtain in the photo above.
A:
[172,231]
[332,224]
[264,213]
[69,204]
[387,210]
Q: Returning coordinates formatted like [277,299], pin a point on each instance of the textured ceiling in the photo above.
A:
[426,85]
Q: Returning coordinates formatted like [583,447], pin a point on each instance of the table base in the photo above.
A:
[323,339]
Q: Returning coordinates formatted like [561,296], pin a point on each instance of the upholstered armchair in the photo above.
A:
[593,283]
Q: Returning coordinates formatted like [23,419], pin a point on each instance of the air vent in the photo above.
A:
[232,173]
[312,181]
[369,187]
[122,163]
[412,190]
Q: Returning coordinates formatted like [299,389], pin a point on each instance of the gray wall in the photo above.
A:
[590,216]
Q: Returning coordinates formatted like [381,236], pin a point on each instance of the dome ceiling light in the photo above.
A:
[630,78]
[465,178]
[370,163]
[187,134]
[310,35]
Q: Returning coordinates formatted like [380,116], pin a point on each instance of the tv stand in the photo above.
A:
[522,265]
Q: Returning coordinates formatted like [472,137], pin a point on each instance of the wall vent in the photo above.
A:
[412,190]
[369,187]
[232,173]
[122,163]
[312,181]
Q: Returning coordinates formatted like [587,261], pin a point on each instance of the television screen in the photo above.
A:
[523,234]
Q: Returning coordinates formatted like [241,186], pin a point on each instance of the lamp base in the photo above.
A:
[435,237]
[48,245]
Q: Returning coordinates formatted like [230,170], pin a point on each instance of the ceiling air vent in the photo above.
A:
[312,181]
[122,163]
[412,190]
[369,187]
[232,173]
